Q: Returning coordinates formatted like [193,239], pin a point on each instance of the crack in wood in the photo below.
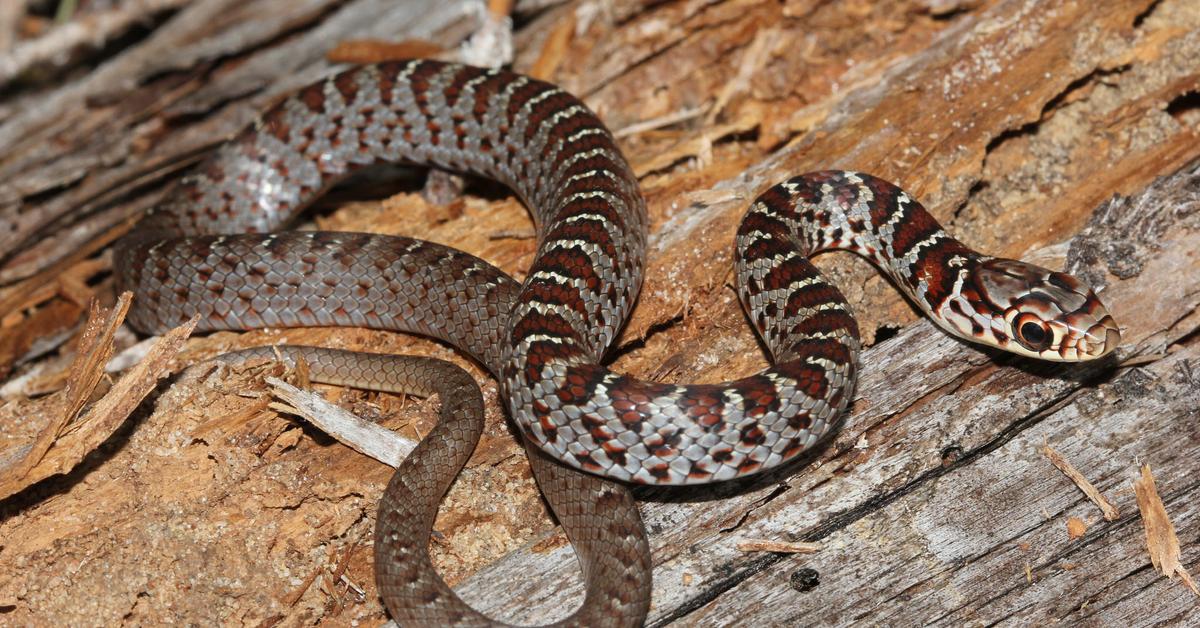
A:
[841,521]
[780,489]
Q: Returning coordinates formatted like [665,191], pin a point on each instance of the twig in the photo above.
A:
[659,122]
[783,547]
[353,587]
[1110,512]
[363,436]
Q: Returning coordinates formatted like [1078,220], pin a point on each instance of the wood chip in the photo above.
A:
[1076,528]
[554,49]
[70,257]
[56,306]
[752,62]
[302,379]
[68,437]
[782,547]
[54,320]
[1161,541]
[65,278]
[360,435]
[500,8]
[366,51]
[1110,512]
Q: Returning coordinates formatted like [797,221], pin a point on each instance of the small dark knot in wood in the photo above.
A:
[805,580]
[951,454]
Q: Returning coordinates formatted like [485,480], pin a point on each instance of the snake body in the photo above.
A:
[544,338]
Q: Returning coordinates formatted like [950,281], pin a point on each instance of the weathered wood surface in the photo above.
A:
[1013,121]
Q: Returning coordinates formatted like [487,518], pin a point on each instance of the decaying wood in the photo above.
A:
[71,434]
[64,45]
[1031,129]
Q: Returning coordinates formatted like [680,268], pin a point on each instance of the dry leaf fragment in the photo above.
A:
[1161,541]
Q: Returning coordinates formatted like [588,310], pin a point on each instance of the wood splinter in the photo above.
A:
[1110,512]
[782,547]
[1161,541]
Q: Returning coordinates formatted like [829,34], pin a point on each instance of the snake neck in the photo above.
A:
[851,211]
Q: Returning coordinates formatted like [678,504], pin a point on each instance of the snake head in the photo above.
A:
[1038,312]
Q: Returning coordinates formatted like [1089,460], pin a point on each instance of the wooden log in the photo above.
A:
[1015,122]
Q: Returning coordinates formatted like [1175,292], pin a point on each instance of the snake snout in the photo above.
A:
[1100,339]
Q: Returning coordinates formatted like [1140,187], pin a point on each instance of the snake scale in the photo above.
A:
[212,250]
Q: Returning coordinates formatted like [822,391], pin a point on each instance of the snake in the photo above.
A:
[215,249]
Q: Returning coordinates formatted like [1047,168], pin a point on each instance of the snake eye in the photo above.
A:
[1032,332]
